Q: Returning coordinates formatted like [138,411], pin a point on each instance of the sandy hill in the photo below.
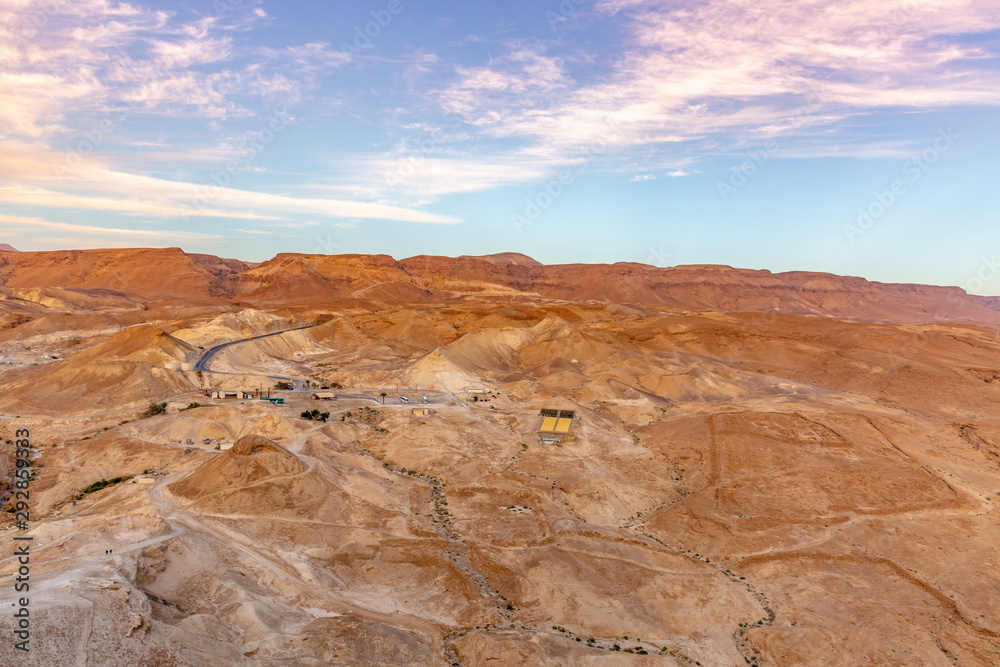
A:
[709,287]
[506,258]
[6,247]
[148,272]
[319,278]
[290,280]
[253,458]
[230,326]
[739,487]
[141,343]
[73,300]
[132,366]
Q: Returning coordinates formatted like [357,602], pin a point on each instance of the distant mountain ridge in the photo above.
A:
[290,279]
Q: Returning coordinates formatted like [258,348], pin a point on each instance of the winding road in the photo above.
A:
[202,364]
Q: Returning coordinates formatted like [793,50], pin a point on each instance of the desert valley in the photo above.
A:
[357,460]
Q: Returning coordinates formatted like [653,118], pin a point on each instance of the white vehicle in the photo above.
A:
[425,399]
[405,399]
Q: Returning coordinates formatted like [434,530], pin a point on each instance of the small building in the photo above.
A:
[556,425]
[421,412]
[145,479]
[225,393]
[477,390]
[324,396]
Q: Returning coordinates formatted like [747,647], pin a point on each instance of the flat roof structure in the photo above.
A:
[558,422]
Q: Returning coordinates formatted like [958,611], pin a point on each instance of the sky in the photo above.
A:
[853,137]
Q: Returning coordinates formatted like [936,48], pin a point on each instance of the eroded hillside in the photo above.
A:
[734,487]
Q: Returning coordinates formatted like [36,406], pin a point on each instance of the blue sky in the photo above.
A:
[851,137]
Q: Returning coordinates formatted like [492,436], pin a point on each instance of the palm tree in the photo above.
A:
[383,394]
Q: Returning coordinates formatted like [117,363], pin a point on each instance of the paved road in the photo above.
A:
[104,414]
[202,364]
[296,383]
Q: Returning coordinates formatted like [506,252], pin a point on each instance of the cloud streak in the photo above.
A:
[15,226]
[91,59]
[698,79]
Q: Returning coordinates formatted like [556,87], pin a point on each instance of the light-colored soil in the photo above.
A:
[741,488]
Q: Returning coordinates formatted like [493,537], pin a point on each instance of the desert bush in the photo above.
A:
[155,409]
[102,484]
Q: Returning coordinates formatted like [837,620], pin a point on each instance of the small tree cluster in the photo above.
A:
[155,409]
[315,415]
[97,486]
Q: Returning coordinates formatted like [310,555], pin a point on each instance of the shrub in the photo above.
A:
[155,409]
[316,415]
[102,484]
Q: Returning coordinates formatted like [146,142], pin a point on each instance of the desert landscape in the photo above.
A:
[358,460]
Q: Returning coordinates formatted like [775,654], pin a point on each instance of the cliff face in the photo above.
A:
[148,272]
[290,279]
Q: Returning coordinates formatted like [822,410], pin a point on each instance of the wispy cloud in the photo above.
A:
[91,56]
[15,226]
[701,78]
[28,178]
[675,83]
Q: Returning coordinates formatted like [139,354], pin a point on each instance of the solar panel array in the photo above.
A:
[557,421]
